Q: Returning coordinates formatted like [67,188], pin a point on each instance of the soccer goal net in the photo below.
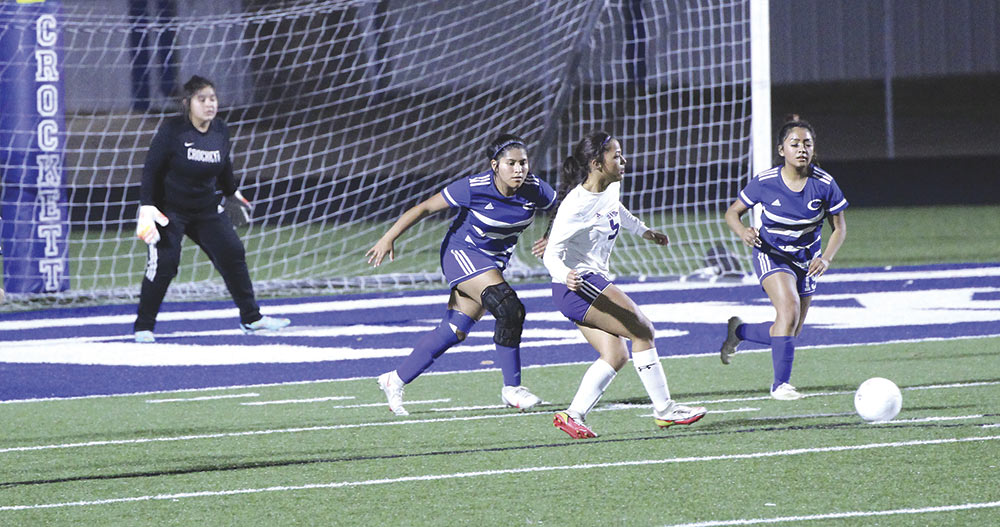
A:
[343,114]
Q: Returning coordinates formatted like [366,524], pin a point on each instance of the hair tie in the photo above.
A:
[505,145]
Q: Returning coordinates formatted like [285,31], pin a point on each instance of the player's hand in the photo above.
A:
[817,267]
[145,228]
[245,207]
[538,249]
[656,237]
[377,253]
[573,280]
[751,237]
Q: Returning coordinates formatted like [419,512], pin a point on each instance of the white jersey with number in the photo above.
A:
[584,232]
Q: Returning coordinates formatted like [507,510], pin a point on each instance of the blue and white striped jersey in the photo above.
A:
[487,220]
[791,222]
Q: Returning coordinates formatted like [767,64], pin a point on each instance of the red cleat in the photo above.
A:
[576,430]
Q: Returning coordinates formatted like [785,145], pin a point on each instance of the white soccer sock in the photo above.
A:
[599,375]
[647,365]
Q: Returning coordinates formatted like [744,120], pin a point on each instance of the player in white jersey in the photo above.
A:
[796,197]
[494,207]
[583,233]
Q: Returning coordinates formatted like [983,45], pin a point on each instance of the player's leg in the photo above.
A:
[462,314]
[162,261]
[615,313]
[595,381]
[499,298]
[781,289]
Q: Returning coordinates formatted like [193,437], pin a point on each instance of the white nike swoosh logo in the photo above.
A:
[188,144]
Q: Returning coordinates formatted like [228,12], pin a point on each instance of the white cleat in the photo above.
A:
[678,414]
[519,397]
[786,392]
[144,337]
[265,324]
[392,385]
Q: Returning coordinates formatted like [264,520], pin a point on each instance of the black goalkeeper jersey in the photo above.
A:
[185,168]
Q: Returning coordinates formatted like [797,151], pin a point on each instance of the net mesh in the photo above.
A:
[343,114]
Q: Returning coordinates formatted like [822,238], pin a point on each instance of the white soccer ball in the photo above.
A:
[878,399]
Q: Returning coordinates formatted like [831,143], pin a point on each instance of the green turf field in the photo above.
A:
[458,460]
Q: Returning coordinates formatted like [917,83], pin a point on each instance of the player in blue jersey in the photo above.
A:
[493,208]
[796,196]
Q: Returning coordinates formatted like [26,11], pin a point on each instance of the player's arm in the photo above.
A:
[637,226]
[748,235]
[384,247]
[838,223]
[565,226]
[152,174]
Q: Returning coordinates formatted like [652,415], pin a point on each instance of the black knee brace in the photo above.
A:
[501,300]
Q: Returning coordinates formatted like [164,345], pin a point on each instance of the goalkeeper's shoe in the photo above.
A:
[392,385]
[519,397]
[678,414]
[732,341]
[144,337]
[574,427]
[265,324]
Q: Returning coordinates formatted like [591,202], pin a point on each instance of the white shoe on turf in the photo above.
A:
[678,414]
[519,397]
[732,341]
[144,337]
[392,385]
[265,324]
[786,392]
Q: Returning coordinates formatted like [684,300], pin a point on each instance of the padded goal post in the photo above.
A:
[345,113]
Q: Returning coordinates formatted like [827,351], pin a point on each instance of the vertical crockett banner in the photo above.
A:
[35,230]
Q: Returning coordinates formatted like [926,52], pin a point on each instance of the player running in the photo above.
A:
[188,161]
[796,196]
[584,231]
[493,208]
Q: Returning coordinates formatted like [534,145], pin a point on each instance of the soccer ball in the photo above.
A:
[878,399]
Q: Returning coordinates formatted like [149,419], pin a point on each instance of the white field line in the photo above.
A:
[533,366]
[203,398]
[363,405]
[523,470]
[300,401]
[839,515]
[434,299]
[417,421]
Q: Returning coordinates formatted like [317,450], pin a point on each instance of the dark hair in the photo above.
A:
[191,87]
[793,120]
[502,143]
[575,167]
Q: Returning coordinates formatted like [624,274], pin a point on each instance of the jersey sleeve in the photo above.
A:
[750,195]
[458,193]
[630,222]
[566,224]
[836,200]
[154,170]
[227,181]
[546,195]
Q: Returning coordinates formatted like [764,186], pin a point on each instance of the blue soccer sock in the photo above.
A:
[782,356]
[510,364]
[433,343]
[759,333]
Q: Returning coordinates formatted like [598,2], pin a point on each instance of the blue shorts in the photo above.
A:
[765,265]
[575,304]
[459,265]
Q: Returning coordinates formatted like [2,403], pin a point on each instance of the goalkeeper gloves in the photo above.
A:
[145,227]
[245,207]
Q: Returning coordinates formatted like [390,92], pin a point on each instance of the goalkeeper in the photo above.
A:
[188,162]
